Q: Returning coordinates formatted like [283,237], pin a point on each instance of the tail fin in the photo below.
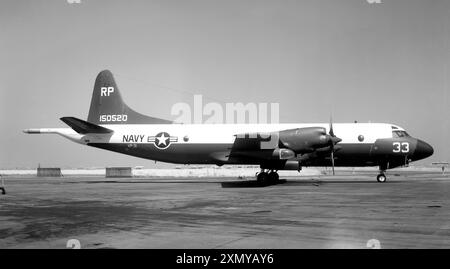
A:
[107,106]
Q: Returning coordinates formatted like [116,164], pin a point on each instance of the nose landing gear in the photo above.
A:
[381,177]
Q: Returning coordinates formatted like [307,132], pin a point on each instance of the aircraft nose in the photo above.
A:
[423,150]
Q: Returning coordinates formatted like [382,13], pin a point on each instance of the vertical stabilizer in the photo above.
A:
[108,107]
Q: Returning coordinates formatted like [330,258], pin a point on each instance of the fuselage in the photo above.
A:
[363,144]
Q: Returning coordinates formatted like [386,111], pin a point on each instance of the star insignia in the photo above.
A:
[162,140]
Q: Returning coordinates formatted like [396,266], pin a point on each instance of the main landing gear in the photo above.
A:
[267,177]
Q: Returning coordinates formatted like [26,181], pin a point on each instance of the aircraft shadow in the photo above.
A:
[249,184]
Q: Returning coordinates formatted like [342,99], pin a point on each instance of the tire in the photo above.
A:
[274,177]
[381,178]
[262,178]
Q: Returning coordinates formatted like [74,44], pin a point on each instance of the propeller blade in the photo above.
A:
[333,141]
[331,127]
[332,161]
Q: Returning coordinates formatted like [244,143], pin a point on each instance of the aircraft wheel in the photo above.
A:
[381,178]
[274,177]
[262,177]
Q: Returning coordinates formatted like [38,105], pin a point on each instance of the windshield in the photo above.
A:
[397,134]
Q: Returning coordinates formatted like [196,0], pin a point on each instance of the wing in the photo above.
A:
[282,145]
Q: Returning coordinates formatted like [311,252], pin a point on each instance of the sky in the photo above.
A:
[383,62]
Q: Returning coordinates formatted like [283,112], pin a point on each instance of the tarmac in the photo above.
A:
[410,210]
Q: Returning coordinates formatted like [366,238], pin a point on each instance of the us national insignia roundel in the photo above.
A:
[162,140]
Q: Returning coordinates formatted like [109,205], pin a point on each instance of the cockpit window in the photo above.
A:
[397,134]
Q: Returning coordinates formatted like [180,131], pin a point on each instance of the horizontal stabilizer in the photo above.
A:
[32,131]
[84,127]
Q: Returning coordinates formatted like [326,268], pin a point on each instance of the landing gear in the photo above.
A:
[274,177]
[381,177]
[264,177]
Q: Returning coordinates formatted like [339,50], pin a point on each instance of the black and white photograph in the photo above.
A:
[238,125]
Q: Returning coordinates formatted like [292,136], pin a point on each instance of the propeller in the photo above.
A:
[333,141]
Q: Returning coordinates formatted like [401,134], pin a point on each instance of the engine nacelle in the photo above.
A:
[283,154]
[304,140]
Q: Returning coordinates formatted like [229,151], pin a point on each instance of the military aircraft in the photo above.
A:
[113,125]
